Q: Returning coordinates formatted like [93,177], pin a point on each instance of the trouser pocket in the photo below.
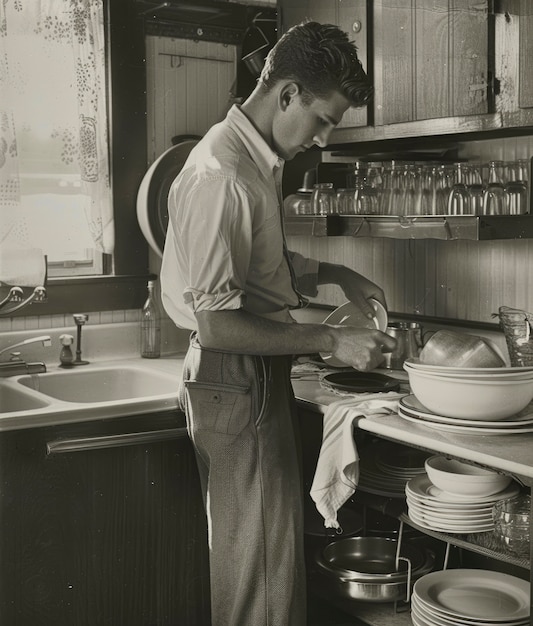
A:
[220,408]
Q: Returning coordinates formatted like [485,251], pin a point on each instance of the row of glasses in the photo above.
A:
[398,188]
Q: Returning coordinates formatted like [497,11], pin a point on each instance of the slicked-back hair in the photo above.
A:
[320,59]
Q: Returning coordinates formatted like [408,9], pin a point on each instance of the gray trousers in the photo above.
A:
[241,418]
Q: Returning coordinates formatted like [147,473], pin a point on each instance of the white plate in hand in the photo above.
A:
[350,315]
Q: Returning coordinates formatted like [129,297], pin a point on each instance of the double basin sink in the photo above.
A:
[92,391]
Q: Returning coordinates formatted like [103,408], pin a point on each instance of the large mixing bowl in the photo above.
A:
[467,398]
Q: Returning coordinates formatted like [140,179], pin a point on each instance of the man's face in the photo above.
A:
[299,126]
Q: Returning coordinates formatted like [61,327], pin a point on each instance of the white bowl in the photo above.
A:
[464,479]
[349,315]
[487,400]
[474,373]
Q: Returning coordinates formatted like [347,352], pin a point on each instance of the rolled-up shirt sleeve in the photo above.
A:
[215,241]
[305,273]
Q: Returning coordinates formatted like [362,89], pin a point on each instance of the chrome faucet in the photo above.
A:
[16,366]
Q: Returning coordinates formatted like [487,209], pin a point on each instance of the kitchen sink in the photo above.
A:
[12,399]
[103,384]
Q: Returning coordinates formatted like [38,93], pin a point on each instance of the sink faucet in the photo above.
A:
[16,365]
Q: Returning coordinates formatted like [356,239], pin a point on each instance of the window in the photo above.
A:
[82,274]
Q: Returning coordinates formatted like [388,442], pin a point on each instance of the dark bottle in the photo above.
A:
[150,326]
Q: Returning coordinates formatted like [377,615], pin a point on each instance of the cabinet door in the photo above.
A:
[102,531]
[432,59]
[350,16]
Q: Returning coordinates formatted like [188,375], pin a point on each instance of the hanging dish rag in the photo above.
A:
[337,470]
[22,267]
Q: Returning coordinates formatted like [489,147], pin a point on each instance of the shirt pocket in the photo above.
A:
[219,408]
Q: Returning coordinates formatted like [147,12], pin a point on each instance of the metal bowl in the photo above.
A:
[364,568]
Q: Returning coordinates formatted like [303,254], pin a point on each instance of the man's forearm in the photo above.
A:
[245,333]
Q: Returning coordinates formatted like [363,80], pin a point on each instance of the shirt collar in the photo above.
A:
[259,150]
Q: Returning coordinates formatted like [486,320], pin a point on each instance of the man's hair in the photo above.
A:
[320,59]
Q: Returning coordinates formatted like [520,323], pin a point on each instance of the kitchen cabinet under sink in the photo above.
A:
[102,523]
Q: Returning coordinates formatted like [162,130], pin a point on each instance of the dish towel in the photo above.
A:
[337,469]
[22,267]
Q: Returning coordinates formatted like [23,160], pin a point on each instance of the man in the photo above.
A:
[228,277]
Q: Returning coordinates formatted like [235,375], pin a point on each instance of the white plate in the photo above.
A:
[452,515]
[463,430]
[441,526]
[349,315]
[424,613]
[475,594]
[414,408]
[420,487]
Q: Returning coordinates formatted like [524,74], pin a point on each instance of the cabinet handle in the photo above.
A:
[60,446]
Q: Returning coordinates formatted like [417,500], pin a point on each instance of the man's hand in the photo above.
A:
[361,348]
[356,287]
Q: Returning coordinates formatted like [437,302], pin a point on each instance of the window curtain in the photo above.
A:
[53,112]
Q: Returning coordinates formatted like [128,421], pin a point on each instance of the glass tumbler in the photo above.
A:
[323,199]
[346,201]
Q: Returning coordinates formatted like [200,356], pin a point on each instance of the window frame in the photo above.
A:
[125,288]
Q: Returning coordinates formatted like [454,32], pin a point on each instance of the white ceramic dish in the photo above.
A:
[349,315]
[422,489]
[475,594]
[470,371]
[470,399]
[464,479]
[414,409]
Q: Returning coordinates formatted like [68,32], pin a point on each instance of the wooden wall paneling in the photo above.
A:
[506,63]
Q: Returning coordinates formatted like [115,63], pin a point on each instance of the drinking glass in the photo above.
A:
[346,201]
[323,199]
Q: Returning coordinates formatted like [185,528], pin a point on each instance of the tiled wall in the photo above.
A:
[35,322]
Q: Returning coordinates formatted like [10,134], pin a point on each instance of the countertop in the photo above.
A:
[511,453]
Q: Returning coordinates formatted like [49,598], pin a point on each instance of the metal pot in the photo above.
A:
[409,343]
[369,569]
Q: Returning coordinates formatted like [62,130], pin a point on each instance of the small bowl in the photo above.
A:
[464,479]
[447,347]
[464,398]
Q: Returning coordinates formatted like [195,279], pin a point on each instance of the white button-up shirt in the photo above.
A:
[225,246]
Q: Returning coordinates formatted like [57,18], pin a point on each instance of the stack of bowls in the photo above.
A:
[462,376]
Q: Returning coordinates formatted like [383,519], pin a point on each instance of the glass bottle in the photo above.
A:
[151,326]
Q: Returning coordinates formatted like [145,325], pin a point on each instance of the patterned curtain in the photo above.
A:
[53,113]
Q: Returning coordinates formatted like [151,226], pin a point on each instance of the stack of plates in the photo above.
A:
[470,597]
[410,409]
[430,507]
[386,468]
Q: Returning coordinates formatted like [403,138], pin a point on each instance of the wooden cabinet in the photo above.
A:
[438,66]
[102,523]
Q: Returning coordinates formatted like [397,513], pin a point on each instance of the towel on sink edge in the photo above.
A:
[337,470]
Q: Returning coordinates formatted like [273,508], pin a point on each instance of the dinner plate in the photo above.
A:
[422,488]
[450,527]
[361,382]
[414,408]
[463,430]
[429,617]
[349,315]
[453,515]
[475,594]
